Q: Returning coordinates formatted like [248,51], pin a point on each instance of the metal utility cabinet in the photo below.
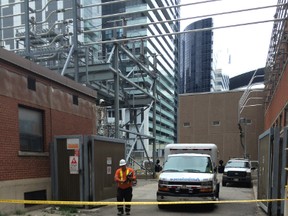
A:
[83,167]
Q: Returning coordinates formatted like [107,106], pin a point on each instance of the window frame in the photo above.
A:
[216,123]
[31,147]
[186,124]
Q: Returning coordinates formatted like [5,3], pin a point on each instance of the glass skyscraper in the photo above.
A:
[196,59]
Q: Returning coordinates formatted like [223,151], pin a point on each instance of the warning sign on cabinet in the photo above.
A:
[73,144]
[73,164]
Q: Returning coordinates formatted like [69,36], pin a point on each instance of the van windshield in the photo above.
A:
[188,164]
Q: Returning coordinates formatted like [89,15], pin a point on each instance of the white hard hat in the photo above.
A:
[122,162]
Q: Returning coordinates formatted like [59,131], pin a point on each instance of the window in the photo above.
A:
[31,83]
[75,99]
[120,114]
[31,129]
[133,116]
[186,124]
[248,121]
[35,195]
[111,114]
[216,123]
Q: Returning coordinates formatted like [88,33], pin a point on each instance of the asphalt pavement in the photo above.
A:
[141,192]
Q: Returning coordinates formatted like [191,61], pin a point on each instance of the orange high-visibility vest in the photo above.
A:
[122,176]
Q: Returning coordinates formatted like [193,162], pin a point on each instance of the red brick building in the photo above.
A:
[276,119]
[36,104]
[277,109]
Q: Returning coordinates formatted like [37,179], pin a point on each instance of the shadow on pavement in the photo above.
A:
[195,208]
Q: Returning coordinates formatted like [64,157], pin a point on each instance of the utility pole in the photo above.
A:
[116,89]
[243,134]
[27,30]
[154,111]
[76,16]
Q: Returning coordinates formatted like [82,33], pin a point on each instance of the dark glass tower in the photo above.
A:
[196,58]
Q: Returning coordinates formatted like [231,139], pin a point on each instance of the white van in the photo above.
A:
[201,148]
[189,176]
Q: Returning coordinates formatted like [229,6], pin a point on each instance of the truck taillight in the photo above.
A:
[162,187]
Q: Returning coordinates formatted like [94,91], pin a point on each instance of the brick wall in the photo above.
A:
[278,102]
[61,116]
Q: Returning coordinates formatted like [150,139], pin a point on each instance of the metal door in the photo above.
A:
[264,169]
[272,176]
[102,156]
[67,168]
[284,168]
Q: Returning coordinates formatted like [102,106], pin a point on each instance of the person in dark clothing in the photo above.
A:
[158,167]
[221,166]
[125,177]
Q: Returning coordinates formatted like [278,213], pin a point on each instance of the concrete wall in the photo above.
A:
[198,112]
[15,189]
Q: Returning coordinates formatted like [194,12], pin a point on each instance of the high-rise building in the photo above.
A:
[196,57]
[220,81]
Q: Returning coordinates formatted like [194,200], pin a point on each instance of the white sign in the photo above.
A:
[109,170]
[73,165]
[73,144]
[109,160]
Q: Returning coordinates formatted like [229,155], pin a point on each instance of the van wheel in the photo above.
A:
[224,183]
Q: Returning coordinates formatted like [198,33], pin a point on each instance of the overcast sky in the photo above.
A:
[247,46]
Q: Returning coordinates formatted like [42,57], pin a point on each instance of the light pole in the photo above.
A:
[243,133]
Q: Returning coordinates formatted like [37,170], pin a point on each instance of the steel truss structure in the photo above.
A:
[61,46]
[278,51]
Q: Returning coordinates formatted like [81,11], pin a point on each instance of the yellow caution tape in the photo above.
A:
[97,203]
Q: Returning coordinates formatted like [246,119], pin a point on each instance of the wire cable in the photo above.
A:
[183,32]
[120,1]
[186,18]
[150,10]
[174,20]
[105,3]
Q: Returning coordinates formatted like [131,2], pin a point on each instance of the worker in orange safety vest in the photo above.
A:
[125,178]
